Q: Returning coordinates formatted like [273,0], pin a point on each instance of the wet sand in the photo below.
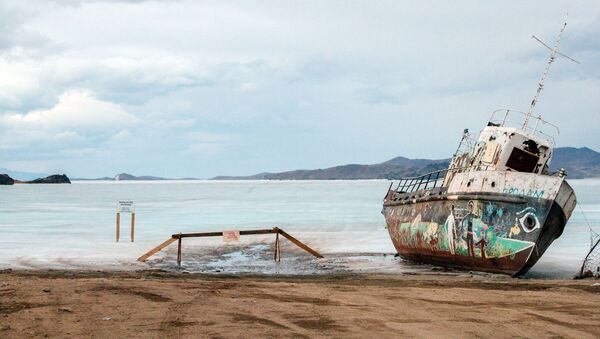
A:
[69,304]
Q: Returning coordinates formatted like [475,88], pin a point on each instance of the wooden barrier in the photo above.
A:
[276,230]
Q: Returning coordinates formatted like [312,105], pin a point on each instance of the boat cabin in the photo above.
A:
[510,149]
[505,144]
[511,145]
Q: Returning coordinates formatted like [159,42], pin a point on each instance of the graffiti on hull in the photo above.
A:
[532,193]
[479,229]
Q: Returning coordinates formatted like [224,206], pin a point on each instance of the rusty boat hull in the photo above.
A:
[499,228]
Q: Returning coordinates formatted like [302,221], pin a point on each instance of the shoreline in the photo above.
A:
[57,303]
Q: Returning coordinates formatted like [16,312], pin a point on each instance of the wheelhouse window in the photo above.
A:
[522,161]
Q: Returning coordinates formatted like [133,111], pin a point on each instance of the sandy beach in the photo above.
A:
[149,304]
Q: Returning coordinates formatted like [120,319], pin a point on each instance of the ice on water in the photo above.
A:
[73,226]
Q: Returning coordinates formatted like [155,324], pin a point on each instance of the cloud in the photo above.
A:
[29,81]
[75,109]
[208,143]
[77,117]
[204,148]
[249,87]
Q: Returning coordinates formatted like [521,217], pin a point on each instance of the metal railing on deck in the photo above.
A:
[513,118]
[427,181]
[432,179]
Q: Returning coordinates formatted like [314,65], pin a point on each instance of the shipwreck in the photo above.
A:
[497,207]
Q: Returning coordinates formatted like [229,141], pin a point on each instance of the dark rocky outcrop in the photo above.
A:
[6,180]
[53,179]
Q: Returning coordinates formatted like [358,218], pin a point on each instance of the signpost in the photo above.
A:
[125,206]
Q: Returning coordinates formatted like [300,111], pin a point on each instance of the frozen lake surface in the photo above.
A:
[73,226]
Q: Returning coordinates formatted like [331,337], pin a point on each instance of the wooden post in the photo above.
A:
[277,253]
[179,251]
[156,249]
[299,244]
[132,226]
[118,225]
[278,249]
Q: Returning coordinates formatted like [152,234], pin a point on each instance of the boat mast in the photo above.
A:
[554,52]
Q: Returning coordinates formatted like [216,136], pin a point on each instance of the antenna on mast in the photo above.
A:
[554,52]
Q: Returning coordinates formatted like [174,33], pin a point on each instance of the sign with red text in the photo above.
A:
[231,236]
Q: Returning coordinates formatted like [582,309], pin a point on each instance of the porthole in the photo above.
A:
[529,220]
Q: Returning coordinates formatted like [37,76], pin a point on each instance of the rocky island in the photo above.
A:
[5,179]
[53,179]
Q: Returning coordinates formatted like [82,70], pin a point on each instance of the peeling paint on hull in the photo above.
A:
[489,231]
[503,265]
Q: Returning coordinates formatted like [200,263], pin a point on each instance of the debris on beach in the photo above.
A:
[591,264]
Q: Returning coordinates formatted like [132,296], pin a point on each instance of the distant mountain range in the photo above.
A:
[579,162]
[130,177]
[124,177]
[391,169]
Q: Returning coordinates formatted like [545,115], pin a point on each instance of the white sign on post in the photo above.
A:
[125,206]
[231,236]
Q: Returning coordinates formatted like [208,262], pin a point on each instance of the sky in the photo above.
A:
[206,88]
